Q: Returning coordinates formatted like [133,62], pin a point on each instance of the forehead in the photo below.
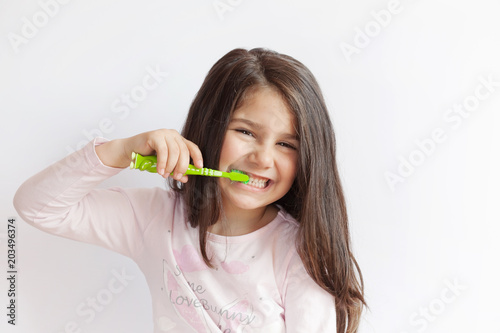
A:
[266,106]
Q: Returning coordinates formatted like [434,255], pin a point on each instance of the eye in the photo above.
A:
[286,145]
[244,131]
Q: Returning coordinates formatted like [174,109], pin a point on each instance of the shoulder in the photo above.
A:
[285,239]
[283,235]
[287,227]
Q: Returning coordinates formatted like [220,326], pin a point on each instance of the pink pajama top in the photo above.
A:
[259,283]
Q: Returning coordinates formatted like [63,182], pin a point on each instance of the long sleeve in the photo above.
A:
[62,200]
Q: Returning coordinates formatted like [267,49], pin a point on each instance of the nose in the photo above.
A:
[262,156]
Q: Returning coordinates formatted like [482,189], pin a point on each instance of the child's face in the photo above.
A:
[261,141]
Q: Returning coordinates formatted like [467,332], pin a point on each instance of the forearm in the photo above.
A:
[63,200]
[114,153]
[55,189]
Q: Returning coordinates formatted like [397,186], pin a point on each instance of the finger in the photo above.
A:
[162,154]
[173,156]
[183,160]
[184,179]
[195,153]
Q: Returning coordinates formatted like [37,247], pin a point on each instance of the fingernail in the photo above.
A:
[199,164]
[178,176]
[161,171]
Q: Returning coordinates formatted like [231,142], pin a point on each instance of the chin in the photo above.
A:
[245,202]
[249,205]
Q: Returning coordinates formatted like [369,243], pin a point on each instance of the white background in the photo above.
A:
[429,243]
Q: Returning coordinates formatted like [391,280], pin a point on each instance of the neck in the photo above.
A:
[239,222]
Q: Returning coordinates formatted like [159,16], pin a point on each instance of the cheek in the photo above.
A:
[289,168]
[230,151]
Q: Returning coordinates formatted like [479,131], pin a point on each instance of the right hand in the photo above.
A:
[172,150]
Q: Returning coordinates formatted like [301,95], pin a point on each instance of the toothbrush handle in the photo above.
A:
[148,163]
[143,163]
[192,170]
[203,172]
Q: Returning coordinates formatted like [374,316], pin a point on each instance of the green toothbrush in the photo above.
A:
[148,163]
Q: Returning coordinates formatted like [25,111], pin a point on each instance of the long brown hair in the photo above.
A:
[315,200]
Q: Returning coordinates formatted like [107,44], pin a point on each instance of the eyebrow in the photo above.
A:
[258,126]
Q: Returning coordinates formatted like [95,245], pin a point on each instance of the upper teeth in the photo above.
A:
[260,183]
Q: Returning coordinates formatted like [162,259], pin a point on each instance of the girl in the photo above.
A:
[272,255]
